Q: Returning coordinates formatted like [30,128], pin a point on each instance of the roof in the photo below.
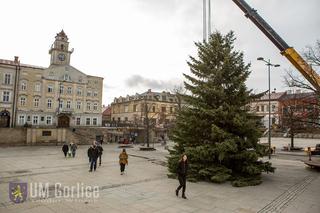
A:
[62,34]
[273,96]
[107,111]
[13,63]
[304,95]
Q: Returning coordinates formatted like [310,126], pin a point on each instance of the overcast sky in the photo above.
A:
[139,44]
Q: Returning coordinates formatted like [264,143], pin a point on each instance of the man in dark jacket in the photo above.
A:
[65,149]
[100,150]
[182,175]
[93,154]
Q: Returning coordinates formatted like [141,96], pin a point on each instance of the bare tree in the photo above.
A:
[299,114]
[312,54]
[149,120]
[179,91]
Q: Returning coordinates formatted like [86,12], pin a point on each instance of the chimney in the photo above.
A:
[16,59]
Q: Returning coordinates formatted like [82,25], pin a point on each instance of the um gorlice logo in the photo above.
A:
[54,192]
[18,192]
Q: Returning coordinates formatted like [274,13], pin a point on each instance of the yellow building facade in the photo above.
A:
[159,107]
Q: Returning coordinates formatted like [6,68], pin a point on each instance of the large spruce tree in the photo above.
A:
[215,128]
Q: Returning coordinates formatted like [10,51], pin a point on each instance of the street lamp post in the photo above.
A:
[269,64]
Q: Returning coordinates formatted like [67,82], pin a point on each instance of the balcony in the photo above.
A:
[65,110]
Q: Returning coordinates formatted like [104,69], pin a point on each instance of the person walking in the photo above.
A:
[100,150]
[123,160]
[182,175]
[65,149]
[73,148]
[93,155]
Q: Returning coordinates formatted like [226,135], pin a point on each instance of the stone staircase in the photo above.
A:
[84,135]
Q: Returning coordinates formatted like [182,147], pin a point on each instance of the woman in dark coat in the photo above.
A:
[182,175]
[65,149]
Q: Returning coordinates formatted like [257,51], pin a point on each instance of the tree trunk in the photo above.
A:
[292,139]
[147,132]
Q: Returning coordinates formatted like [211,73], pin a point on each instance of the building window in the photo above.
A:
[68,104]
[125,118]
[50,88]
[89,93]
[22,101]
[273,108]
[21,120]
[257,109]
[61,89]
[88,106]
[95,106]
[61,104]
[153,109]
[78,105]
[35,120]
[23,86]
[88,121]
[7,79]
[171,109]
[79,91]
[126,108]
[262,108]
[49,120]
[163,109]
[67,77]
[94,121]
[51,75]
[6,96]
[49,104]
[95,94]
[36,102]
[164,98]
[69,90]
[134,108]
[37,87]
[78,121]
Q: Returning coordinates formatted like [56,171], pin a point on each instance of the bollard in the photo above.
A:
[309,153]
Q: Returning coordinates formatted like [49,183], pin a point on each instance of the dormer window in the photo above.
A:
[67,77]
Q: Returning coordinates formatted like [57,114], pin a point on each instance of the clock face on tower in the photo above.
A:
[61,57]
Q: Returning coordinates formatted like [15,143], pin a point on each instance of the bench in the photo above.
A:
[313,164]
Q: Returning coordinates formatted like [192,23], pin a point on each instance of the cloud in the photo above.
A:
[138,81]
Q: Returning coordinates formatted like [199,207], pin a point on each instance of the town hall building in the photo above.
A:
[60,95]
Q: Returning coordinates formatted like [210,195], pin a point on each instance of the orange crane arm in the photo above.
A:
[289,52]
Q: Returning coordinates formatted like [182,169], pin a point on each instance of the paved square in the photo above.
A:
[145,186]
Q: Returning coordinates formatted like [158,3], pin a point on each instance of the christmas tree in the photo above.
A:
[215,128]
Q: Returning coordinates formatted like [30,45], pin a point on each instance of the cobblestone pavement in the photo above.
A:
[145,186]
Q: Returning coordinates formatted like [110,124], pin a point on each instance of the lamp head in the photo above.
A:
[260,59]
[277,65]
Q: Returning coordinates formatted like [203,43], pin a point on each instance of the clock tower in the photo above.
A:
[60,54]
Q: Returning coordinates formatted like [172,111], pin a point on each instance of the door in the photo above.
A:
[63,121]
